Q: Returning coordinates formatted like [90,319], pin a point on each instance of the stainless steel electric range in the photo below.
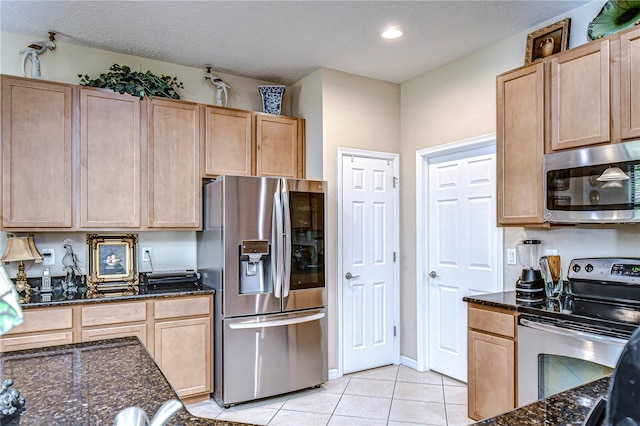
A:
[578,337]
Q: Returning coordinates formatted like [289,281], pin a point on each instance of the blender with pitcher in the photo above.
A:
[530,285]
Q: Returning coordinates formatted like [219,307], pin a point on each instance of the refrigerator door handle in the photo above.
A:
[287,238]
[276,244]
[275,323]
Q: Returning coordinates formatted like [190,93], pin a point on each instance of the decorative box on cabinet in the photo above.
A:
[110,153]
[36,154]
[520,145]
[173,164]
[492,339]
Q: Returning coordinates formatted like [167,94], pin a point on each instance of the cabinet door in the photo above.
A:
[135,330]
[491,375]
[183,353]
[109,159]
[520,145]
[173,164]
[36,154]
[229,147]
[278,146]
[630,84]
[580,105]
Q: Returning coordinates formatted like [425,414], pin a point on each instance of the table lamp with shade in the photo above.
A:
[20,249]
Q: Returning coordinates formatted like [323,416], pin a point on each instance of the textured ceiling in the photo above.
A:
[283,41]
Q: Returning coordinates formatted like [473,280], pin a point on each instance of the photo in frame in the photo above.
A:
[112,264]
[547,41]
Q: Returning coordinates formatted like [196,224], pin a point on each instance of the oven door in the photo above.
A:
[552,359]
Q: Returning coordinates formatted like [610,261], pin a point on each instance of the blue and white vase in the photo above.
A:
[271,98]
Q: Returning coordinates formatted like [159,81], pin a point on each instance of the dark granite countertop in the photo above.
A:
[565,408]
[89,384]
[61,299]
[504,300]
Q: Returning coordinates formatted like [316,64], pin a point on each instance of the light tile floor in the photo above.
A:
[392,395]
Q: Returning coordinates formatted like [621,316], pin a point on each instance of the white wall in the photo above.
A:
[306,98]
[68,60]
[458,101]
[170,250]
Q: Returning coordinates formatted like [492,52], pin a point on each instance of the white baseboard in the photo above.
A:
[334,374]
[408,362]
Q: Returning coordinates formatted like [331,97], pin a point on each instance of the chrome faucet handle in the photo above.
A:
[135,416]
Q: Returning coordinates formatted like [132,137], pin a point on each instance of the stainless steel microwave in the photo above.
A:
[598,184]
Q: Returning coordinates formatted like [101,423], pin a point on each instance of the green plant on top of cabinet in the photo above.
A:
[36,154]
[173,164]
[109,159]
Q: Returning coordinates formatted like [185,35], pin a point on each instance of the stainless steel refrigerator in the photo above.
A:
[262,250]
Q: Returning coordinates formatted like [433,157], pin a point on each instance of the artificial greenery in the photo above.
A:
[122,79]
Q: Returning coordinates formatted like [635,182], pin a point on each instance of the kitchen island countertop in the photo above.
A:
[565,408]
[89,383]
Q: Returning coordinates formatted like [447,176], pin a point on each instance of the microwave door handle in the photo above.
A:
[276,242]
[287,239]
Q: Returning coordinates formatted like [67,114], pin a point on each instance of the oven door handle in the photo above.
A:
[572,333]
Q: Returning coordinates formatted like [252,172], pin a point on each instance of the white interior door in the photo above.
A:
[463,250]
[368,237]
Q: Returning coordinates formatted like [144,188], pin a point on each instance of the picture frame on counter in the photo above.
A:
[112,265]
[547,41]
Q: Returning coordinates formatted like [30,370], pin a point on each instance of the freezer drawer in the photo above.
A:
[271,354]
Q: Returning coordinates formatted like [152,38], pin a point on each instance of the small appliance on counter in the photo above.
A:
[530,285]
[169,281]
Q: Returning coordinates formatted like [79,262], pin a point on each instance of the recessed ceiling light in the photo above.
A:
[392,32]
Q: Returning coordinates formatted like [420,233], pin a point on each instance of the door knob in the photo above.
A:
[433,274]
[350,277]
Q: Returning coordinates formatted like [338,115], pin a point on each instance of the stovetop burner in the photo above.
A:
[604,297]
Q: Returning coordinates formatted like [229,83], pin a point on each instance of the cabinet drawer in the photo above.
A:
[186,307]
[114,313]
[8,344]
[492,322]
[139,331]
[44,320]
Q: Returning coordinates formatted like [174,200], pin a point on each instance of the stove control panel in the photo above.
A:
[622,270]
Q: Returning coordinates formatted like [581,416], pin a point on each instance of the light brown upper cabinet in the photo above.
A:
[173,159]
[630,84]
[36,154]
[252,144]
[229,142]
[110,152]
[579,96]
[279,146]
[520,145]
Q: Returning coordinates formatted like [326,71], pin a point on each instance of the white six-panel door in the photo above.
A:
[368,235]
[463,250]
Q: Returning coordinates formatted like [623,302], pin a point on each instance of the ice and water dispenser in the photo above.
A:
[255,267]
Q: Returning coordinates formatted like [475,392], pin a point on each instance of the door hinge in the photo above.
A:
[394,256]
[394,331]
[396,181]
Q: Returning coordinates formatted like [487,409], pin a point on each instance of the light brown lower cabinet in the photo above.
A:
[492,340]
[176,332]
